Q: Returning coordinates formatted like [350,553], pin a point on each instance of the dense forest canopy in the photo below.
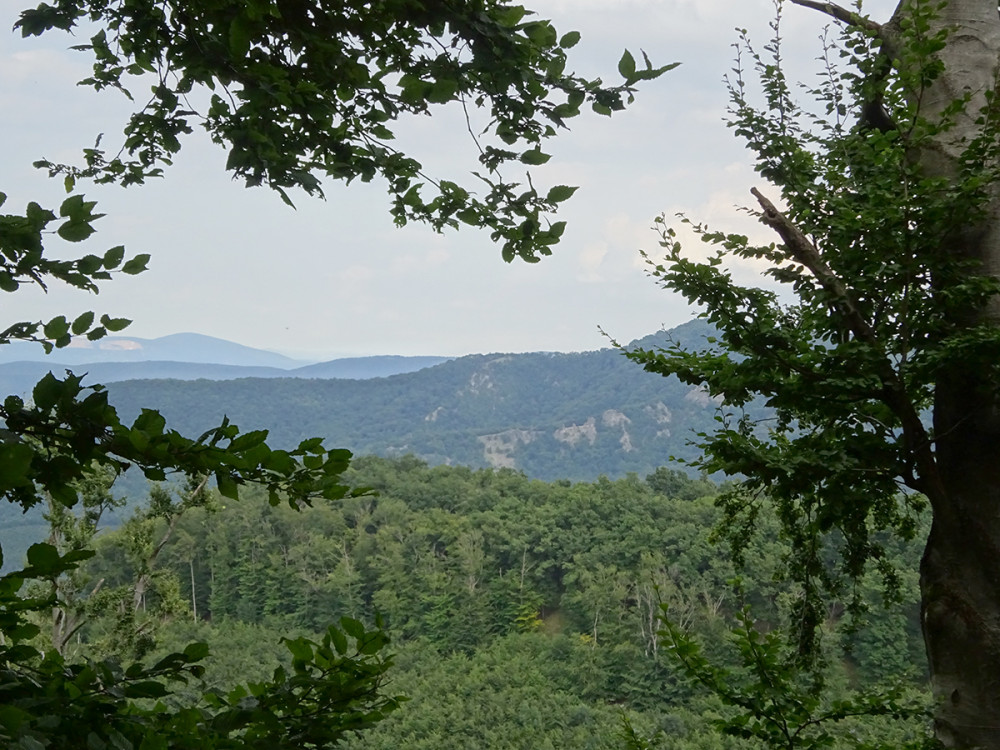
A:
[522,613]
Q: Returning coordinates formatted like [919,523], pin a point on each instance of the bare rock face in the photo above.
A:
[615,419]
[498,448]
[574,433]
[661,414]
[700,397]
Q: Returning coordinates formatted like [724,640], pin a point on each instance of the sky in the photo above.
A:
[336,278]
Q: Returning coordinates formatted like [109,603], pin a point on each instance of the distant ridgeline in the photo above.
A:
[552,416]
[181,356]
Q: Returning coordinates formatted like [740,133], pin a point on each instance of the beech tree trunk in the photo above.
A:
[960,570]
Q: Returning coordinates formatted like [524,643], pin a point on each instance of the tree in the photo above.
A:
[300,88]
[69,532]
[294,89]
[882,374]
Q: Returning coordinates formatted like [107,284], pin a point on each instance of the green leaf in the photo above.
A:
[248,440]
[114,256]
[371,644]
[196,651]
[569,40]
[338,639]
[56,328]
[15,465]
[227,485]
[240,35]
[47,391]
[300,649]
[150,421]
[114,324]
[560,193]
[82,323]
[73,207]
[534,157]
[136,265]
[540,33]
[24,632]
[510,15]
[89,264]
[75,230]
[442,91]
[37,216]
[353,627]
[44,558]
[626,65]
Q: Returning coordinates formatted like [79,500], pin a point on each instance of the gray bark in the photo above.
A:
[960,570]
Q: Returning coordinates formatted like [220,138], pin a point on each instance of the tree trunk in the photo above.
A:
[960,570]
[194,595]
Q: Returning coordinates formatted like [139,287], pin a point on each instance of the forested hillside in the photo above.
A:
[523,614]
[552,416]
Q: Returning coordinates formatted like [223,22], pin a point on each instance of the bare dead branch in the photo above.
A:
[803,251]
[841,14]
[894,390]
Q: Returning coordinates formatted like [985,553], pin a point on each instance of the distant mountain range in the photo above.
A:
[178,347]
[573,416]
[552,416]
[182,356]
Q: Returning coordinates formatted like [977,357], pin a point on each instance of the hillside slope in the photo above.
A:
[553,416]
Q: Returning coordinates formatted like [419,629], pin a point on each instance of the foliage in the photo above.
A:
[778,703]
[876,345]
[850,366]
[297,89]
[49,702]
[490,584]
[300,89]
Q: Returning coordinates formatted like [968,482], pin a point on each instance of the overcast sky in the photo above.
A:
[336,278]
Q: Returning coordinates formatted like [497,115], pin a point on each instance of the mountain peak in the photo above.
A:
[176,347]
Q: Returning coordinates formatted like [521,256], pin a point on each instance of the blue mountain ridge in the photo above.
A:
[177,347]
[184,356]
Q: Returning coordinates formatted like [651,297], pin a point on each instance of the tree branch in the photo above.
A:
[841,14]
[803,251]
[915,438]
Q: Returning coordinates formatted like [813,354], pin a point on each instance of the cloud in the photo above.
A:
[338,276]
[356,274]
[591,259]
[35,66]
[418,262]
